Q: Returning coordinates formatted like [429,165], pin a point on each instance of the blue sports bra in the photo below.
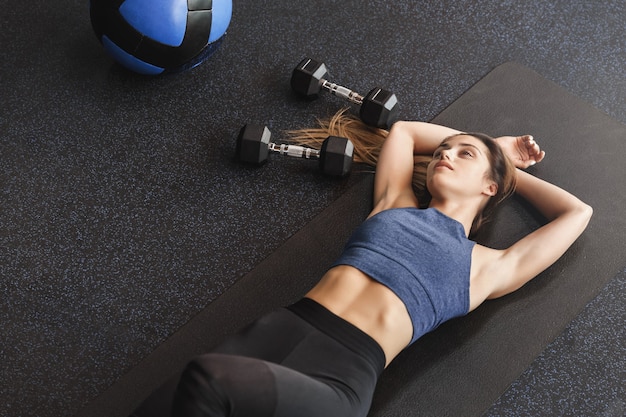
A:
[422,255]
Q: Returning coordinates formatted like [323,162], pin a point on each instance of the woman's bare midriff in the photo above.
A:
[368,305]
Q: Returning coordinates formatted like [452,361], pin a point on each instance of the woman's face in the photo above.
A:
[460,166]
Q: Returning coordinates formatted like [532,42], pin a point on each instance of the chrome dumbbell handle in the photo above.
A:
[343,92]
[295,151]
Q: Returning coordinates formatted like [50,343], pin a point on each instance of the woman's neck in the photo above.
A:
[462,211]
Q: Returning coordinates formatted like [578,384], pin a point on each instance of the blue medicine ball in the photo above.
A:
[157,36]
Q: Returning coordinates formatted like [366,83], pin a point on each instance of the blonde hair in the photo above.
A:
[367,141]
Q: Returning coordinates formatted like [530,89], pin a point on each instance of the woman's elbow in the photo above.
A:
[584,212]
[588,210]
[401,127]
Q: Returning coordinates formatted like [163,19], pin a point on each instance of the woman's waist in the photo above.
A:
[370,306]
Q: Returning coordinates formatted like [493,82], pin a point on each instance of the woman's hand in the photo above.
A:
[522,150]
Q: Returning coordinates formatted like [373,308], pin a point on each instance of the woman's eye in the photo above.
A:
[467,153]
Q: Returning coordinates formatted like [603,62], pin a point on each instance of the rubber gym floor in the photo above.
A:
[132,240]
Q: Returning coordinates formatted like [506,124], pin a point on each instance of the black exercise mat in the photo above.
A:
[464,366]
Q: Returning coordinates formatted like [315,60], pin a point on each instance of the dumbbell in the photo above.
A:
[378,108]
[335,156]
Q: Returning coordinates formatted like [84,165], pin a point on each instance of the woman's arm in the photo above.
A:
[394,170]
[568,217]
[426,137]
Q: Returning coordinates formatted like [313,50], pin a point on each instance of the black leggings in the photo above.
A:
[297,361]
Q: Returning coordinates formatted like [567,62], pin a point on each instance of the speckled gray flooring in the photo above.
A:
[123,213]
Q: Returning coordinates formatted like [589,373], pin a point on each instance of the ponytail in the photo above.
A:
[367,141]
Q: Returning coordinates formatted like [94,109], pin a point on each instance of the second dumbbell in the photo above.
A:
[335,156]
[378,108]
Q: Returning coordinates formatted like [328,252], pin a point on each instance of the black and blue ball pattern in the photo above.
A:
[158,36]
